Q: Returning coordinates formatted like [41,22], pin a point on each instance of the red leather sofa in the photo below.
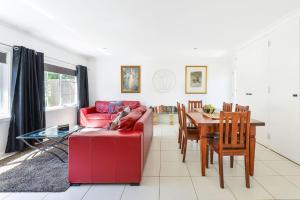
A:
[98,117]
[111,156]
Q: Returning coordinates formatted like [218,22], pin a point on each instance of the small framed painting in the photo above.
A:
[195,79]
[130,79]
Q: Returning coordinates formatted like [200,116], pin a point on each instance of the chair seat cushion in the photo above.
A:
[105,116]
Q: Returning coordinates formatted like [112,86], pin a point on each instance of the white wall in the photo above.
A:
[15,37]
[269,67]
[106,83]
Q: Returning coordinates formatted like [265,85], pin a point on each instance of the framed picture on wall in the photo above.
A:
[195,79]
[130,79]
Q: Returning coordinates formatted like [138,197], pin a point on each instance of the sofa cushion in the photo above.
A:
[131,104]
[99,116]
[127,122]
[102,106]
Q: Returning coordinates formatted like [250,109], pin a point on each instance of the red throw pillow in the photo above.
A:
[141,109]
[127,122]
[102,106]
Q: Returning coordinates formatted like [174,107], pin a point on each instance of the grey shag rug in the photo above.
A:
[42,173]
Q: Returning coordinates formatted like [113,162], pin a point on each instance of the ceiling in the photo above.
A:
[145,27]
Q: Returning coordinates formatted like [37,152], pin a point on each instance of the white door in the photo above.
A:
[284,73]
[252,88]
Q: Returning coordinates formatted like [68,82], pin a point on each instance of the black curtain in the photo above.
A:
[82,88]
[27,95]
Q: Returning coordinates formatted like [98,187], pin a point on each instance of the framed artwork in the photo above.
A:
[195,79]
[130,79]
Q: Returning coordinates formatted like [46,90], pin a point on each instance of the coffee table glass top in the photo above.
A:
[51,132]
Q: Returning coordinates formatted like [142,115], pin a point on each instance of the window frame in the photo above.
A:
[60,71]
[7,83]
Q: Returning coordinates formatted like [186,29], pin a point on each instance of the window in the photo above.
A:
[4,81]
[60,88]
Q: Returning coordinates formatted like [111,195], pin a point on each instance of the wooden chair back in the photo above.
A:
[234,131]
[227,107]
[194,104]
[184,120]
[240,108]
[179,115]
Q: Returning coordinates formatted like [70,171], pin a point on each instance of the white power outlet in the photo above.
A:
[269,136]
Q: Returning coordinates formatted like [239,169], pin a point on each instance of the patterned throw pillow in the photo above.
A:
[114,106]
[127,109]
[114,124]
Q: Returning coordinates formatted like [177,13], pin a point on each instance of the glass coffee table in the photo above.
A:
[48,139]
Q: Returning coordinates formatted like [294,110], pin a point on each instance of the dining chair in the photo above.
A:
[180,124]
[227,107]
[188,133]
[240,108]
[233,140]
[194,104]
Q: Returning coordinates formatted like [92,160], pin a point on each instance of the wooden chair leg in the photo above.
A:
[184,149]
[231,161]
[221,175]
[180,139]
[211,155]
[207,156]
[247,170]
[182,144]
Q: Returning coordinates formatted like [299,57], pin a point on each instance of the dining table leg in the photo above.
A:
[252,149]
[203,147]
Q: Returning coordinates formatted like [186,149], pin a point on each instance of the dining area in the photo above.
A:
[227,132]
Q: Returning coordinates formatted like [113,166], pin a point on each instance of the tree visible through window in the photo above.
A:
[60,89]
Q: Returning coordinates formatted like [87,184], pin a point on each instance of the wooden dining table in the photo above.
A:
[207,125]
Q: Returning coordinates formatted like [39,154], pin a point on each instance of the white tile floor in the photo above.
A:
[166,177]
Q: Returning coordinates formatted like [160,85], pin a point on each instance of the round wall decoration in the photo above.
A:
[163,80]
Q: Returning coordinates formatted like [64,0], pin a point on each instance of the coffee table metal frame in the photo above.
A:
[50,142]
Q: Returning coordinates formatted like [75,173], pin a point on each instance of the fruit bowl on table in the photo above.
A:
[208,109]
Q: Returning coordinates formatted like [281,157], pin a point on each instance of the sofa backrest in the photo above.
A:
[103,106]
[131,104]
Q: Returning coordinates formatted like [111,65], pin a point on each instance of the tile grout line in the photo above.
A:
[279,154]
[86,192]
[192,180]
[218,176]
[254,178]
[123,191]
[48,194]
[284,176]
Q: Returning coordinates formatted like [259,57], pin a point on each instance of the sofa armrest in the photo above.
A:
[105,156]
[145,124]
[88,110]
[84,112]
